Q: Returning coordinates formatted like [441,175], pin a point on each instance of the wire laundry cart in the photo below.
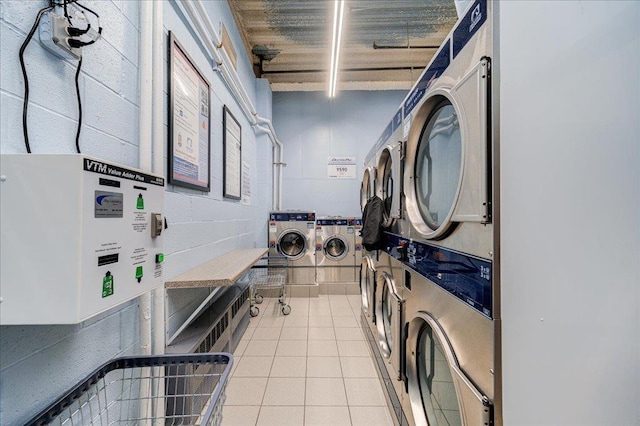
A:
[269,273]
[148,390]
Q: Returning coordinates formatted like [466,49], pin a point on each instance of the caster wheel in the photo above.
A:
[254,311]
[258,299]
[286,309]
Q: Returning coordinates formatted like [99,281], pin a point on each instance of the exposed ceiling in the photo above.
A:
[386,43]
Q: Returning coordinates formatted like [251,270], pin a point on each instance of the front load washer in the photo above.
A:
[292,235]
[446,342]
[450,304]
[335,251]
[389,310]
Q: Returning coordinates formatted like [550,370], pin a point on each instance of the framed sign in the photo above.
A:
[189,121]
[232,156]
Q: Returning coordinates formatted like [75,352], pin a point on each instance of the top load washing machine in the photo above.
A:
[292,235]
[335,251]
[451,371]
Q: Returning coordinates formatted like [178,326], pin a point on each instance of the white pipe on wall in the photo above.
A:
[145,163]
[208,34]
[145,138]
[158,144]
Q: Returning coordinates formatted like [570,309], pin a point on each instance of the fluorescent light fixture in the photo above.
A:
[338,14]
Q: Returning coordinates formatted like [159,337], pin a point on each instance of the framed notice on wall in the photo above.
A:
[232,156]
[189,121]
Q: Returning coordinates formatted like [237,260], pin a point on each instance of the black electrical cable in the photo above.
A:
[26,77]
[79,106]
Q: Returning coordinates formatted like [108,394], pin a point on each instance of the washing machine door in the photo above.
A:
[389,183]
[446,166]
[335,247]
[439,391]
[367,187]
[367,288]
[389,313]
[292,244]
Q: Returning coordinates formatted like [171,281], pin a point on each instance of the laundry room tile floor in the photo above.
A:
[311,367]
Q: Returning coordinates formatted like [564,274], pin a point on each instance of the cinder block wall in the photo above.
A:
[313,128]
[38,363]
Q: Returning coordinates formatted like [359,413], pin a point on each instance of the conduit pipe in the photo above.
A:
[145,164]
[197,13]
[158,340]
[144,143]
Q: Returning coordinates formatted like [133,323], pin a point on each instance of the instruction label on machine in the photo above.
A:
[341,168]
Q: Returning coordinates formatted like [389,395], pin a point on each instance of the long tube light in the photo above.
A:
[338,14]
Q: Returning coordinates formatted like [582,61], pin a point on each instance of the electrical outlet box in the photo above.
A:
[54,36]
[79,236]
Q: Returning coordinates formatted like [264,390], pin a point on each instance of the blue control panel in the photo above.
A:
[464,276]
[469,25]
[332,222]
[292,217]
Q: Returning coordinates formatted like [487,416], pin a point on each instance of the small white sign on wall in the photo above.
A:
[341,168]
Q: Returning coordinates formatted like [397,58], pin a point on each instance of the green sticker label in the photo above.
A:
[107,285]
[140,202]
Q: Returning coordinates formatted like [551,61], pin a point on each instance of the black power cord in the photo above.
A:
[73,32]
[25,105]
[79,106]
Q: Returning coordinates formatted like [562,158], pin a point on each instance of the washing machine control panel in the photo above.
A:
[466,277]
[292,217]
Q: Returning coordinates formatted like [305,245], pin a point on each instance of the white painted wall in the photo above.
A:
[570,158]
[38,363]
[314,127]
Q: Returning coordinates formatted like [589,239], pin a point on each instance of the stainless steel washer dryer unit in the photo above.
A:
[292,235]
[335,254]
[451,369]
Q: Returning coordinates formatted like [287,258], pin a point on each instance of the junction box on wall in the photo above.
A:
[79,236]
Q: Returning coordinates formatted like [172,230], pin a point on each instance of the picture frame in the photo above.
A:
[189,141]
[232,155]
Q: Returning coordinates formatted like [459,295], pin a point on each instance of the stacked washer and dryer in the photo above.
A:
[428,299]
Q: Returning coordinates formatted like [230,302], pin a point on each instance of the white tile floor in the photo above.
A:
[311,367]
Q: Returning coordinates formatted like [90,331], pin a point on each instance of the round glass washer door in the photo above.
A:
[385,309]
[433,393]
[335,247]
[292,244]
[438,167]
[365,189]
[437,390]
[365,283]
[385,168]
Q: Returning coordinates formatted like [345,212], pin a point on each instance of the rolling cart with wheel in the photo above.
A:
[270,273]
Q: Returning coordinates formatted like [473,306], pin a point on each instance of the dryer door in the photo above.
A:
[365,286]
[335,247]
[292,244]
[389,312]
[439,391]
[446,170]
[367,186]
[389,183]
